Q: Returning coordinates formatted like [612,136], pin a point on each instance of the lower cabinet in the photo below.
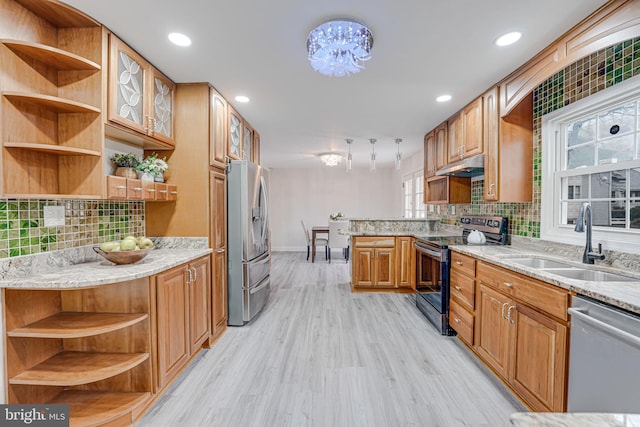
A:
[383,262]
[522,334]
[182,308]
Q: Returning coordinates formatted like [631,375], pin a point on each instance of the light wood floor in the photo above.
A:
[320,355]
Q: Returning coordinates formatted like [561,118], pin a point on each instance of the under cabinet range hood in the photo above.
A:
[469,167]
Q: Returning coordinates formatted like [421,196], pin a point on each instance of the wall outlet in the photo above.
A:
[453,210]
[53,216]
[432,208]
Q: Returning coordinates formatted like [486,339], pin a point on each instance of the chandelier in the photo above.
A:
[339,48]
[330,159]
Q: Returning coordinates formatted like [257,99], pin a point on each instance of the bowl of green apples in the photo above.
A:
[126,251]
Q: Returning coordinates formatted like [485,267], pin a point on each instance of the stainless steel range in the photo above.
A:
[433,263]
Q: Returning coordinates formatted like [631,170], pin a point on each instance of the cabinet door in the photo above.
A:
[162,107]
[430,154]
[405,262]
[247,141]
[173,323]
[234,146]
[199,303]
[363,269]
[492,338]
[538,371]
[384,267]
[256,147]
[441,145]
[472,128]
[127,87]
[454,139]
[218,130]
[218,238]
[491,118]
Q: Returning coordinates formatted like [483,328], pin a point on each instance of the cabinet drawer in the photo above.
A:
[375,241]
[116,187]
[462,321]
[172,192]
[463,263]
[463,288]
[134,189]
[161,191]
[532,292]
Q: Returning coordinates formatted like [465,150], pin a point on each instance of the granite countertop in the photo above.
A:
[625,295]
[83,268]
[531,419]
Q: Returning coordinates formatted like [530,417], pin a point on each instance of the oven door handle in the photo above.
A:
[428,252]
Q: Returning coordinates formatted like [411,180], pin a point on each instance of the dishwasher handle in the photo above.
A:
[626,336]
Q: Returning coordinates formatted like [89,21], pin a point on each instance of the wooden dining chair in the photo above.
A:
[320,241]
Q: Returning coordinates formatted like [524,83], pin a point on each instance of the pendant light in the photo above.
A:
[398,155]
[372,163]
[349,158]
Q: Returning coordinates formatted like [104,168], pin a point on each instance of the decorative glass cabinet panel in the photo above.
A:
[247,136]
[235,132]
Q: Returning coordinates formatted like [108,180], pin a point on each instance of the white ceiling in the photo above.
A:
[422,49]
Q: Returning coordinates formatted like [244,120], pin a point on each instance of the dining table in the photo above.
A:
[315,230]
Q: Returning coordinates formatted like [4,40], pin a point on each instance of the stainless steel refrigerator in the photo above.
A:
[248,240]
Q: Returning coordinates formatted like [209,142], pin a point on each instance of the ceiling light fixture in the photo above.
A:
[398,154]
[443,98]
[339,48]
[372,163]
[242,98]
[509,38]
[330,159]
[349,158]
[179,39]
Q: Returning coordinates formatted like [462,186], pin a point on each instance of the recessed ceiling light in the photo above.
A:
[443,98]
[508,39]
[242,98]
[179,39]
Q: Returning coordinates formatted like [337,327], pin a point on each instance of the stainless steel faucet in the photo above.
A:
[584,218]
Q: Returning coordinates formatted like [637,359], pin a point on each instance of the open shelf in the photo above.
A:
[53,149]
[51,56]
[59,14]
[53,103]
[76,325]
[92,408]
[70,368]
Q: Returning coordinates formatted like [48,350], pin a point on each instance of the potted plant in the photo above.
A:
[126,164]
[152,168]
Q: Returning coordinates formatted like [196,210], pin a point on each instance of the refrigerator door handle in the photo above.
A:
[259,287]
[265,220]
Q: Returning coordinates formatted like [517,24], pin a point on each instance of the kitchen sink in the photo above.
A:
[591,275]
[539,263]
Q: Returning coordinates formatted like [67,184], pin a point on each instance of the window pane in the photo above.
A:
[634,187]
[581,131]
[601,214]
[581,156]
[634,214]
[601,185]
[618,214]
[569,212]
[575,187]
[618,121]
[616,150]
[619,184]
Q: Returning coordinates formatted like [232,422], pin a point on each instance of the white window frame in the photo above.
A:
[552,157]
[417,205]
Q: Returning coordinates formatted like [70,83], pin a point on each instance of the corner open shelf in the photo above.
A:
[52,149]
[53,103]
[76,325]
[93,408]
[53,57]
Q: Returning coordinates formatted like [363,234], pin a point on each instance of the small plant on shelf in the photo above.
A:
[126,164]
[152,165]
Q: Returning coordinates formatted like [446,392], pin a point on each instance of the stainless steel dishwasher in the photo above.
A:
[604,359]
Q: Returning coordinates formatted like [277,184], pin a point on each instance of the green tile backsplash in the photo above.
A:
[87,222]
[585,77]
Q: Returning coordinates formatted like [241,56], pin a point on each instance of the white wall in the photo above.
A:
[312,194]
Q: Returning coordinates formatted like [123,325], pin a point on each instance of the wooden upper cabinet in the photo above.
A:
[234,144]
[256,147]
[247,141]
[140,98]
[430,154]
[491,119]
[454,138]
[472,129]
[218,130]
[441,145]
[613,23]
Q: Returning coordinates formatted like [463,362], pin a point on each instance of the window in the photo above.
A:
[591,153]
[412,195]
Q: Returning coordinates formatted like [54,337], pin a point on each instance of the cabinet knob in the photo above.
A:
[509,314]
[220,251]
[458,288]
[456,320]
[195,274]
[508,285]
[503,306]
[121,187]
[458,262]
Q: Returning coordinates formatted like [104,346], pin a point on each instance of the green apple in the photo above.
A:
[128,244]
[145,243]
[109,246]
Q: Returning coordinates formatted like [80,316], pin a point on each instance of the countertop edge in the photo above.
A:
[102,272]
